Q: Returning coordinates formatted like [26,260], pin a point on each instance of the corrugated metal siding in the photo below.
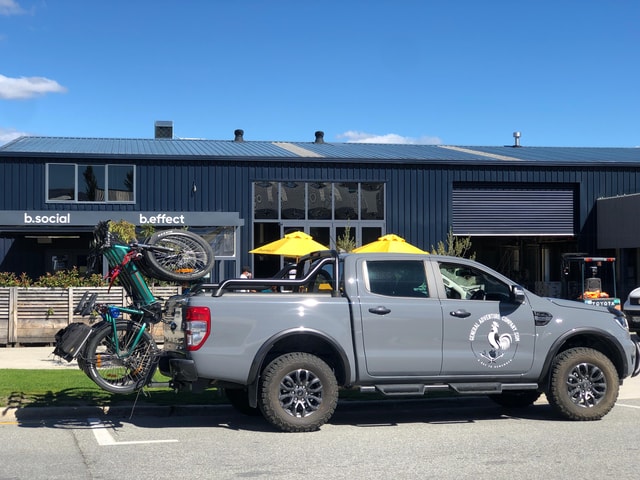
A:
[418,201]
[612,232]
[520,212]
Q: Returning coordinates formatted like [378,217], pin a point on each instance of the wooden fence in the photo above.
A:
[34,315]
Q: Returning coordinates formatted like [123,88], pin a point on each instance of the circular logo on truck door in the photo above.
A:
[494,340]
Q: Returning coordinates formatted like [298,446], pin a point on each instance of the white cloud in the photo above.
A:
[8,134]
[361,137]
[10,7]
[27,87]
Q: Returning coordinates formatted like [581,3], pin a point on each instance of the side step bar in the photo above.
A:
[468,388]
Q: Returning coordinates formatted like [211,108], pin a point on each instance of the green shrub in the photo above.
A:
[126,231]
[59,279]
[10,279]
[346,242]
[455,246]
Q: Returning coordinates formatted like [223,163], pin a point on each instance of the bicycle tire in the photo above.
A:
[114,373]
[191,257]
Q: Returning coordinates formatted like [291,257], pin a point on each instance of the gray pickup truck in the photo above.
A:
[400,325]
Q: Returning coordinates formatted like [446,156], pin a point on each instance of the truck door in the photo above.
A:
[485,331]
[401,321]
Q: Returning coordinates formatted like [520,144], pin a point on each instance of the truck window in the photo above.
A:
[322,280]
[397,278]
[468,283]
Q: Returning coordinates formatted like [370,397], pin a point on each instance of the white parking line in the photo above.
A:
[628,406]
[104,438]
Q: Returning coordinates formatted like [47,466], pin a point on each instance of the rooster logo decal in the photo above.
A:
[500,343]
[495,349]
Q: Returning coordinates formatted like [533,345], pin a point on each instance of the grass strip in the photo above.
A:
[56,388]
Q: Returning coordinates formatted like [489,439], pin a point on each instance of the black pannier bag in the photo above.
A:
[71,339]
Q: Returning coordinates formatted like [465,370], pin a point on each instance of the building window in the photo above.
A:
[292,200]
[371,201]
[120,183]
[221,239]
[90,183]
[346,201]
[265,200]
[61,183]
[318,201]
[325,210]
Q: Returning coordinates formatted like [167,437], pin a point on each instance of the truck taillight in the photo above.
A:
[197,327]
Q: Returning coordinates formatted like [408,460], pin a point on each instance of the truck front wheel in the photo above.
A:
[299,392]
[584,384]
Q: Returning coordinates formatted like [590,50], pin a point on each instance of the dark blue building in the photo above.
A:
[521,206]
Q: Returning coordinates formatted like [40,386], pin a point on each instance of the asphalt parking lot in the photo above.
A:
[440,438]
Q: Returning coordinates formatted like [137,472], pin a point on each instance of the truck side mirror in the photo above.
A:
[518,294]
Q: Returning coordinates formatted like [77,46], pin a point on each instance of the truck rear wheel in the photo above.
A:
[584,384]
[299,392]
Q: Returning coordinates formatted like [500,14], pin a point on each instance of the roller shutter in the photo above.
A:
[500,211]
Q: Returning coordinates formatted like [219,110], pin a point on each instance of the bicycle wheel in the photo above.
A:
[178,255]
[121,367]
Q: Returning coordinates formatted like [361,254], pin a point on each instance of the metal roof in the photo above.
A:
[256,150]
[567,154]
[143,147]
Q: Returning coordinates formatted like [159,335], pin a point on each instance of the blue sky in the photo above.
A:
[465,72]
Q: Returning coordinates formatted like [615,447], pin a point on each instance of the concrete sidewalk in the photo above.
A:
[32,358]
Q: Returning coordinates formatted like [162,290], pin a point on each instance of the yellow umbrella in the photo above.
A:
[389,243]
[295,244]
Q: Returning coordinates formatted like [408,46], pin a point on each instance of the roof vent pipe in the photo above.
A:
[516,139]
[239,135]
[319,137]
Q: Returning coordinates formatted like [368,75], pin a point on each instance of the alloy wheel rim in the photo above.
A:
[300,393]
[586,384]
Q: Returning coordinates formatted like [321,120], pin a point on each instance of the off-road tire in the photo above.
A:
[239,400]
[190,256]
[298,392]
[583,385]
[516,399]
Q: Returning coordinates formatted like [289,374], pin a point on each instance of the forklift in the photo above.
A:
[591,280]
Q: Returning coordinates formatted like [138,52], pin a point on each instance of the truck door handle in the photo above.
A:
[380,310]
[460,313]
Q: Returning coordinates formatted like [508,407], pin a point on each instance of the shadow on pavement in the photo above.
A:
[355,413]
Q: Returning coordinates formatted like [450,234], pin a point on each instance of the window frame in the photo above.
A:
[76,183]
